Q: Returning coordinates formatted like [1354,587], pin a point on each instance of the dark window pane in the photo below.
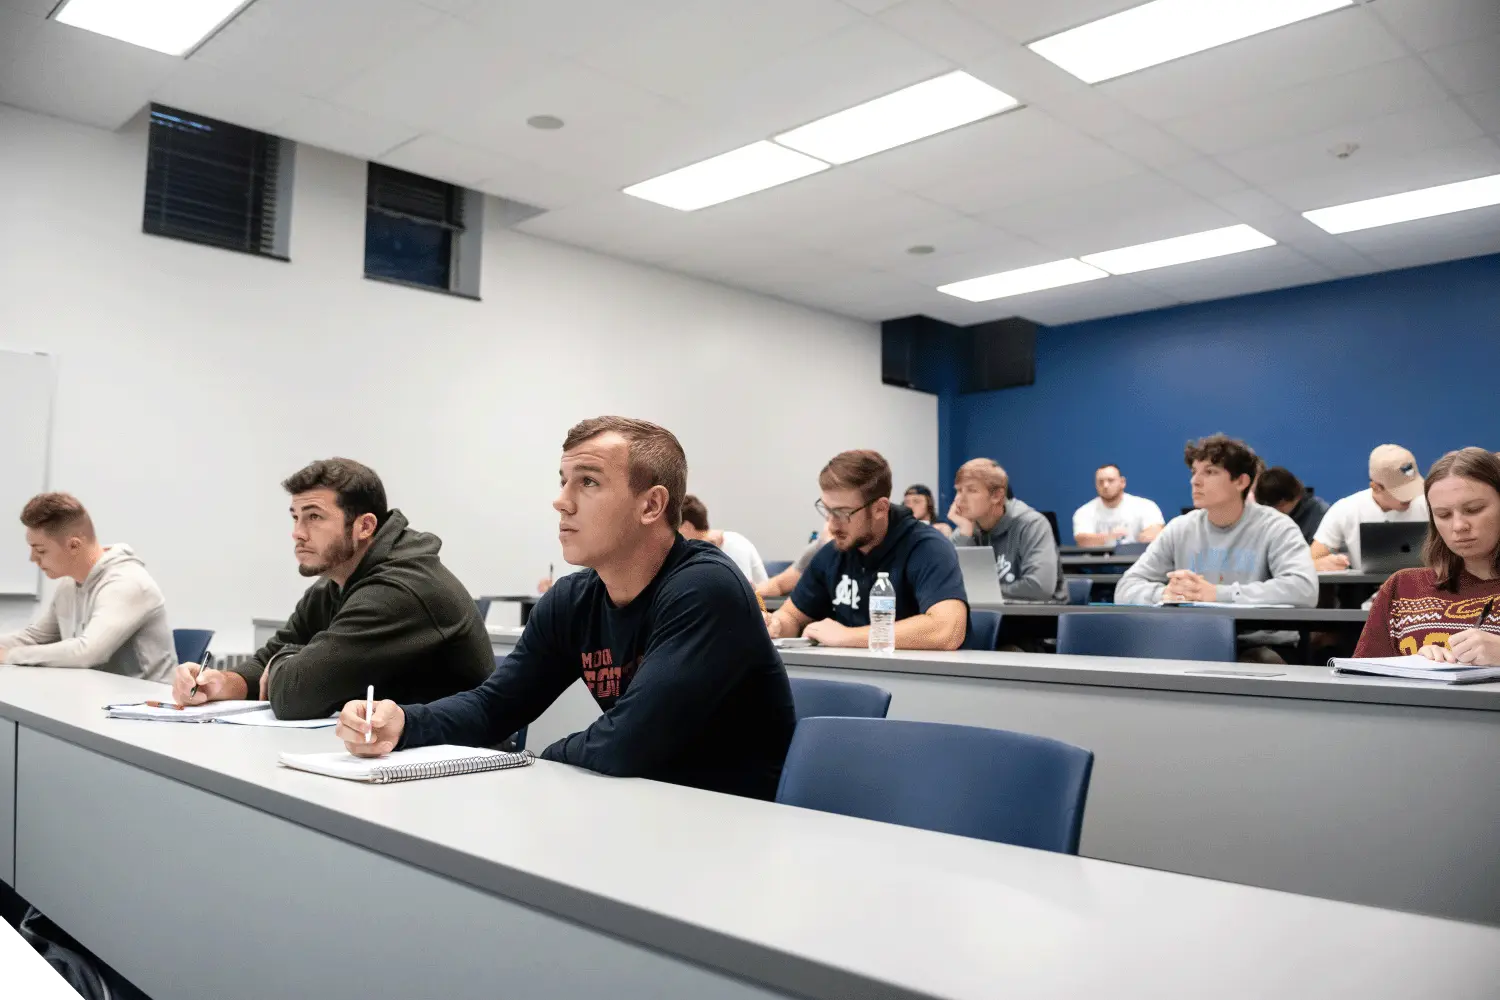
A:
[407,250]
[210,182]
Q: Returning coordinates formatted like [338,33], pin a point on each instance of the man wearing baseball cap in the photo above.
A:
[1395,494]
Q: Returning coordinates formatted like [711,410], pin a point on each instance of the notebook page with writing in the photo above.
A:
[406,765]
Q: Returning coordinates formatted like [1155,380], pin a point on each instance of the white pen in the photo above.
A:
[370,714]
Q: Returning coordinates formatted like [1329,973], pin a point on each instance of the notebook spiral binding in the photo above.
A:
[448,768]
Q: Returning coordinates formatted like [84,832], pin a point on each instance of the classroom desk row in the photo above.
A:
[1364,789]
[553,882]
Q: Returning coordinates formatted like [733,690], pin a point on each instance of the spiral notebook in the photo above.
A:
[407,765]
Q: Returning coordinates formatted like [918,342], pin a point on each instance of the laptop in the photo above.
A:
[1386,546]
[977,564]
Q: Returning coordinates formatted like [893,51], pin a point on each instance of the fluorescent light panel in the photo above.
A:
[171,26]
[1423,204]
[1164,30]
[1023,280]
[1179,250]
[921,110]
[734,174]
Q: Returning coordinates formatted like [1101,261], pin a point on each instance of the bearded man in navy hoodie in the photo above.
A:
[873,536]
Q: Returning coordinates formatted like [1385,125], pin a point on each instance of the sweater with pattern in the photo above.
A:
[1410,611]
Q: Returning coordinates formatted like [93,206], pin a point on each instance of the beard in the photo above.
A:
[338,552]
[850,542]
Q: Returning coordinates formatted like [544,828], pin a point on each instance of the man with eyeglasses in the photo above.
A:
[872,536]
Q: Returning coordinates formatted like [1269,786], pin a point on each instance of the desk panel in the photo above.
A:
[7,802]
[191,895]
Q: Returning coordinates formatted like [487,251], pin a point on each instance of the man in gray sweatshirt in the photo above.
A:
[107,613]
[1026,556]
[1227,550]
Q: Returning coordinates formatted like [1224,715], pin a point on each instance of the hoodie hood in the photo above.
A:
[394,544]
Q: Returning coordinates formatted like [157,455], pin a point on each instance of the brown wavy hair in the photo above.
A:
[1466,463]
[1233,456]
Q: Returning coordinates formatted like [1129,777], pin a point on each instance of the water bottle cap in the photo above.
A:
[882,576]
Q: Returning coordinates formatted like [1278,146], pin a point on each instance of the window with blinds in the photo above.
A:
[414,227]
[214,183]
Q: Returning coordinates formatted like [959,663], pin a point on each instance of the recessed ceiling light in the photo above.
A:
[1179,250]
[734,174]
[545,122]
[1164,30]
[171,26]
[1026,279]
[921,110]
[1422,204]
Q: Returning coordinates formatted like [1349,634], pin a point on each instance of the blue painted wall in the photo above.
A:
[1312,378]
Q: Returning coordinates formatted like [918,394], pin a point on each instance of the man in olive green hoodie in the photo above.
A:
[387,612]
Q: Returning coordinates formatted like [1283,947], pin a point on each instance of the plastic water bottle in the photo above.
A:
[883,616]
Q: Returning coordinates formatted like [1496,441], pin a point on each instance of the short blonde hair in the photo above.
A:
[986,472]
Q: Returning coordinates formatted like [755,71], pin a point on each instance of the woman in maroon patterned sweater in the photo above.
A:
[1448,611]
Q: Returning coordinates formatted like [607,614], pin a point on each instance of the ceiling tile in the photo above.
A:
[1388,136]
[443,159]
[1029,20]
[1256,208]
[848,67]
[1150,146]
[1431,24]
[1398,85]
[232,97]
[16,32]
[941,27]
[1122,212]
[871,6]
[1330,45]
[562,27]
[707,41]
[440,80]
[1237,274]
[342,130]
[316,47]
[81,76]
[544,187]
[1204,177]
[1469,67]
[949,238]
[36,8]
[1355,179]
[1486,110]
[629,227]
[1003,252]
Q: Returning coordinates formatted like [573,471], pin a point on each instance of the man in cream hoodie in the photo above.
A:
[107,613]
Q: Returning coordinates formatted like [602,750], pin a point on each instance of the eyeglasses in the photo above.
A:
[839,514]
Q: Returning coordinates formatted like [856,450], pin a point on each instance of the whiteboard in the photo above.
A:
[26,386]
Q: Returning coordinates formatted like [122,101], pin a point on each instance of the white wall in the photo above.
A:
[192,380]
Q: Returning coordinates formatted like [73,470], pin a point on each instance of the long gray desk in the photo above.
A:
[1363,789]
[137,837]
[1246,615]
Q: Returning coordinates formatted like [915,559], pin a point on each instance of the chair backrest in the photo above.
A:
[1079,589]
[811,696]
[1051,516]
[482,605]
[984,630]
[988,783]
[1193,636]
[191,643]
[778,566]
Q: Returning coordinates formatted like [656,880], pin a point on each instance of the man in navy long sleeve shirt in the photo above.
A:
[666,633]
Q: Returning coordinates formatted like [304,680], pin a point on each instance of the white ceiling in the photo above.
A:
[1241,133]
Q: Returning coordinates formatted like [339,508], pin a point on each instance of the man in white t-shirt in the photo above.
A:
[1395,494]
[1114,515]
[735,545]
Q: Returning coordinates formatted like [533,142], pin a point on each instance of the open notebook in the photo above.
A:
[1416,668]
[407,765]
[165,711]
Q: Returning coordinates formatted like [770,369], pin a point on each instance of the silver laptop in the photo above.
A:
[1386,546]
[981,582]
